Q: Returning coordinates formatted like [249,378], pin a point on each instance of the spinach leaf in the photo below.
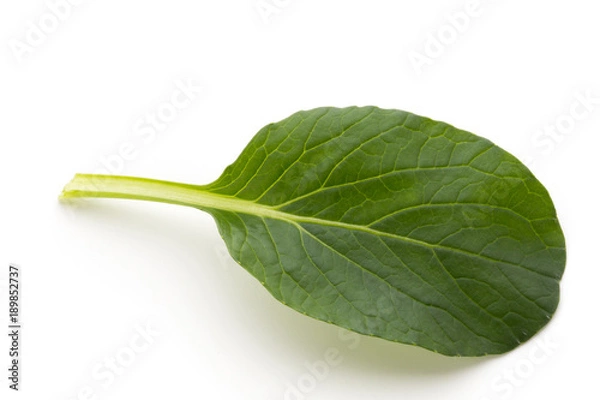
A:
[385,223]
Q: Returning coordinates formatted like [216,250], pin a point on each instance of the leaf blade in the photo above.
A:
[354,188]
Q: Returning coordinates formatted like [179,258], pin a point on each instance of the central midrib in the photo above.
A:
[110,186]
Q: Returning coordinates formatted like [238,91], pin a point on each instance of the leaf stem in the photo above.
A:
[134,188]
[127,187]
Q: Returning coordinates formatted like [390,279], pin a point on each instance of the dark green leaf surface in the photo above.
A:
[385,223]
[397,226]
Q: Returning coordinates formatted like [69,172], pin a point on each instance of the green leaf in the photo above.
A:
[385,223]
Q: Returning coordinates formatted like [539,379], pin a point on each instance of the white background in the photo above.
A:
[96,272]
